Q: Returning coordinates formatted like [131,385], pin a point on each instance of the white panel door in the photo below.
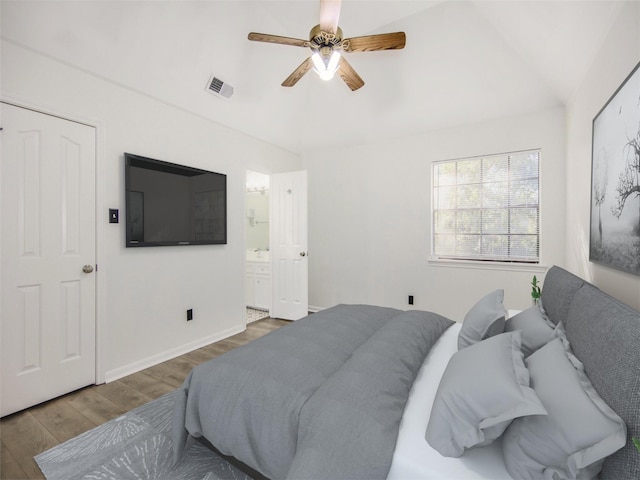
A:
[48,238]
[289,245]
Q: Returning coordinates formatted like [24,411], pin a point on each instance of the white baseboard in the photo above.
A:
[314,309]
[134,367]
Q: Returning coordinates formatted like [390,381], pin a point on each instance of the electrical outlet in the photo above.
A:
[190,314]
[410,299]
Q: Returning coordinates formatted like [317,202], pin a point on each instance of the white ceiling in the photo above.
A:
[465,61]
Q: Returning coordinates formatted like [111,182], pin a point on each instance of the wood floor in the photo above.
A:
[32,431]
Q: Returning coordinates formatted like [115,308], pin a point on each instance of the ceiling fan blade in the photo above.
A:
[349,75]
[368,43]
[329,15]
[297,74]
[265,37]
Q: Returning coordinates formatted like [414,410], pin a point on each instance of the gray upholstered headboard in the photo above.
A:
[605,335]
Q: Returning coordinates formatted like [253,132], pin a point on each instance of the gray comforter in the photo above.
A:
[320,398]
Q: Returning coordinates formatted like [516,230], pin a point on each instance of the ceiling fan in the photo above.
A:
[326,43]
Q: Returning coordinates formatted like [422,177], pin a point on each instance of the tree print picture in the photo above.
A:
[615,179]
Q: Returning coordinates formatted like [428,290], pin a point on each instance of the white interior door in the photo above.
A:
[48,238]
[290,268]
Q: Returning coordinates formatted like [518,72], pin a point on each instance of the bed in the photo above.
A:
[360,391]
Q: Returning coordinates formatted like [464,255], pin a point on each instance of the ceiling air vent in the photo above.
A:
[219,88]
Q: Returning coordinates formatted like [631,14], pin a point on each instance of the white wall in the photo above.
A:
[619,54]
[369,218]
[144,292]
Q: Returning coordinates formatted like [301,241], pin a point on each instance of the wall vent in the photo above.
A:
[219,88]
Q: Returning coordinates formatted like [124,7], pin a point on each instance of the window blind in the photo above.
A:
[487,208]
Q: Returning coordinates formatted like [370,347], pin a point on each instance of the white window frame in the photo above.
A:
[460,256]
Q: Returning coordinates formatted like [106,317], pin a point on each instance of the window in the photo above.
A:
[487,208]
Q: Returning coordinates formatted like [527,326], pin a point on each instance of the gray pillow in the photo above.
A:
[483,388]
[580,431]
[485,319]
[536,330]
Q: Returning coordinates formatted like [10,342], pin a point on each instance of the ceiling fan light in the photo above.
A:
[325,75]
[333,62]
[317,62]
[326,67]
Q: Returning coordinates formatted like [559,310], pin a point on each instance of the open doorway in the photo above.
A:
[257,240]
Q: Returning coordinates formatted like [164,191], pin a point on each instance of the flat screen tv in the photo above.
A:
[170,204]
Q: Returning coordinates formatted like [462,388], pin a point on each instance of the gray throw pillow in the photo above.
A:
[580,431]
[536,330]
[485,319]
[483,388]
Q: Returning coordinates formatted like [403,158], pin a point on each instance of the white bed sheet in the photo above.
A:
[413,457]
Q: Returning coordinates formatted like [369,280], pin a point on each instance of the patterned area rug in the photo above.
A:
[254,315]
[136,445]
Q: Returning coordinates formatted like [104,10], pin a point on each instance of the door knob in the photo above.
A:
[303,254]
[87,268]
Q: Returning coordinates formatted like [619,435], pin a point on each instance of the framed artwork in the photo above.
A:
[615,179]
